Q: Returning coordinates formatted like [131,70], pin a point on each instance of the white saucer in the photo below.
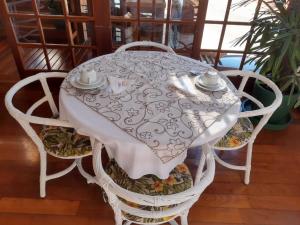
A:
[99,83]
[221,85]
[99,79]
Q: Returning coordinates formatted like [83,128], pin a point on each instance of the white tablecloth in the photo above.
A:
[134,156]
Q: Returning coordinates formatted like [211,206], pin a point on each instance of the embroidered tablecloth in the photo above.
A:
[151,109]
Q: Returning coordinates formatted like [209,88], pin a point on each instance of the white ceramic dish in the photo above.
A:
[100,83]
[220,86]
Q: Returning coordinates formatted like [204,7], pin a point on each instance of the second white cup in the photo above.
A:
[211,78]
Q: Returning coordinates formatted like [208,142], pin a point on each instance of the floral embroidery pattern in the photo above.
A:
[166,119]
[146,135]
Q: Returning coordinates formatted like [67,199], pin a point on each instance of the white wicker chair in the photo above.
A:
[170,206]
[26,119]
[146,44]
[243,133]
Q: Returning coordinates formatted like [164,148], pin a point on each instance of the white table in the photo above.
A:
[134,156]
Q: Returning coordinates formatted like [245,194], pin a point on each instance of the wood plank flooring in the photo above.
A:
[8,69]
[272,198]
[35,59]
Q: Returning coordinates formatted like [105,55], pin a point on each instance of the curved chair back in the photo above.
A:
[147,44]
[264,111]
[26,119]
[183,200]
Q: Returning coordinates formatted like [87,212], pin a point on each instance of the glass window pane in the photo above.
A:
[124,33]
[115,8]
[230,60]
[33,58]
[184,9]
[83,33]
[19,6]
[52,7]
[83,54]
[208,57]
[211,36]
[232,33]
[80,7]
[155,9]
[181,36]
[60,58]
[216,10]
[152,32]
[233,60]
[54,31]
[244,14]
[126,8]
[26,29]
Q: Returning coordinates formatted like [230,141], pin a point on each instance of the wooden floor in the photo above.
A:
[273,196]
[59,59]
[8,69]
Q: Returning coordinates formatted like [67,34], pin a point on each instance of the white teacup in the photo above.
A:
[211,78]
[88,77]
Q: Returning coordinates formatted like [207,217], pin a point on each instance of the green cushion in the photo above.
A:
[180,179]
[238,135]
[65,142]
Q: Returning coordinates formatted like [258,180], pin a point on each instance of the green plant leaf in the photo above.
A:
[297,103]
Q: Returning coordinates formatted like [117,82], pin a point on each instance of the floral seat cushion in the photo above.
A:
[238,135]
[65,142]
[180,179]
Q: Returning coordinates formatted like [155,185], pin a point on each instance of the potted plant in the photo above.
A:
[275,38]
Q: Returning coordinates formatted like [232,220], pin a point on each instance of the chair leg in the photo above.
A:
[248,163]
[43,174]
[113,201]
[90,179]
[118,217]
[173,222]
[184,218]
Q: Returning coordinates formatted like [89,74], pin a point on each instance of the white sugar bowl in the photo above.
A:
[88,77]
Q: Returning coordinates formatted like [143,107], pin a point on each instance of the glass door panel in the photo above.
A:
[171,22]
[26,29]
[51,34]
[19,6]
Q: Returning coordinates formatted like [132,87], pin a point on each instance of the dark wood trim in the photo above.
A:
[101,12]
[227,22]
[40,28]
[11,37]
[167,20]
[53,17]
[150,20]
[49,45]
[199,28]
[69,31]
[223,32]
[138,19]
